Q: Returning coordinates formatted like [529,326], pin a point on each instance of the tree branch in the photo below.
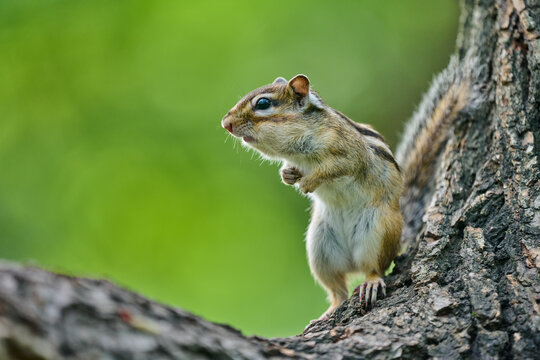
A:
[467,285]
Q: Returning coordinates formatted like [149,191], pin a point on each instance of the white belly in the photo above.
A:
[343,235]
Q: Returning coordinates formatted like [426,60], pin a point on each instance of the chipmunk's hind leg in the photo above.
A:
[327,257]
[369,289]
[336,287]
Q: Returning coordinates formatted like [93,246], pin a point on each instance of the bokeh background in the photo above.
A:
[113,162]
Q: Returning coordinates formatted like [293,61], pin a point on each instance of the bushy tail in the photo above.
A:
[454,90]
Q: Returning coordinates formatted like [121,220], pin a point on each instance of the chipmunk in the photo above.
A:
[346,169]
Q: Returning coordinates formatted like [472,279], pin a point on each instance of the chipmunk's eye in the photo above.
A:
[262,104]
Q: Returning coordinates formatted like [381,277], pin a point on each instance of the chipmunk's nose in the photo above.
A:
[227,124]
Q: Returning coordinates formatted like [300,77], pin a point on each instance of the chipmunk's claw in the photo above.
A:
[367,292]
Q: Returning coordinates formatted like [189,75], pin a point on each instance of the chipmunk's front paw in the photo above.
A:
[307,185]
[290,176]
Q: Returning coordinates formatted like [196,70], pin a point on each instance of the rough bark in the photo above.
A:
[466,287]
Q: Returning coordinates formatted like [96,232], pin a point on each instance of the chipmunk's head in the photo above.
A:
[279,120]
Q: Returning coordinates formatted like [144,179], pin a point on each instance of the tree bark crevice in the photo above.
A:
[467,286]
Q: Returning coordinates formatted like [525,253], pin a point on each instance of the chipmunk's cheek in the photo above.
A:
[260,130]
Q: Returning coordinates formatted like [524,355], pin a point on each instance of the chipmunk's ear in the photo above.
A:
[299,85]
[279,80]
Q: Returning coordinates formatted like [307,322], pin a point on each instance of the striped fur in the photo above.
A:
[454,93]
[455,90]
[346,168]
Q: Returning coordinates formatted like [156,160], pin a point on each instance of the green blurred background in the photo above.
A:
[113,162]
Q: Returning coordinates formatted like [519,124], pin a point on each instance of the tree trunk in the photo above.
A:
[467,285]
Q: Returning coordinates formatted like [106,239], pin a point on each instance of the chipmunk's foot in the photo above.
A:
[367,292]
[327,313]
[290,176]
[324,316]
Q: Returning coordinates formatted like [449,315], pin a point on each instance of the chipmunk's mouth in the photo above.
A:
[227,125]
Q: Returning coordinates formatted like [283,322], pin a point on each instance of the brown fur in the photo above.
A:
[301,127]
[390,239]
[428,143]
[385,155]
